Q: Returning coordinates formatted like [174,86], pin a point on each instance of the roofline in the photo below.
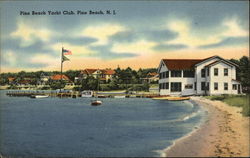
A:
[158,69]
[209,65]
[216,56]
[209,58]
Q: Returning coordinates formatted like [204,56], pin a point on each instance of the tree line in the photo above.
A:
[123,78]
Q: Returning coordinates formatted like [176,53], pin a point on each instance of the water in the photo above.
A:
[130,127]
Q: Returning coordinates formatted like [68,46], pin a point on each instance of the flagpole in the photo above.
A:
[61,67]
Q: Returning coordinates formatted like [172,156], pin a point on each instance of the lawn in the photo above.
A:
[235,100]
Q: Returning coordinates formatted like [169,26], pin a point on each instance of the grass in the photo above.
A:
[235,100]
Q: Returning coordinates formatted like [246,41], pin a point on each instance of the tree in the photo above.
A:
[243,72]
[57,85]
[90,83]
[72,74]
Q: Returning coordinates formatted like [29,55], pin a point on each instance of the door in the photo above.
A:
[239,89]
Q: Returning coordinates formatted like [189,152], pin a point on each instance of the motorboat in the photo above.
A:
[96,102]
[39,96]
[120,96]
[87,94]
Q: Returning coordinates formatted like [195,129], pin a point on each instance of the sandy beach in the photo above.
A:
[225,133]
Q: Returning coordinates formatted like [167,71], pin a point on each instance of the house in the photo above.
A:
[103,74]
[11,80]
[64,78]
[152,77]
[210,76]
[44,79]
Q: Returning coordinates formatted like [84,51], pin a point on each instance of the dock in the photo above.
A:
[72,94]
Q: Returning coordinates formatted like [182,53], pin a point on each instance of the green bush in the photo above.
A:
[234,100]
[246,108]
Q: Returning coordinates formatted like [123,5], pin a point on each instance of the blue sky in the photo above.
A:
[140,30]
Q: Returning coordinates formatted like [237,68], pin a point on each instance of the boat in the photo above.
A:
[119,96]
[87,94]
[178,98]
[171,98]
[39,96]
[96,102]
[101,96]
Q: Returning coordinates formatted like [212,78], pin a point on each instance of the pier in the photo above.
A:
[73,94]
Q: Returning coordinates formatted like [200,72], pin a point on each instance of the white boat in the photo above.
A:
[119,96]
[39,96]
[87,94]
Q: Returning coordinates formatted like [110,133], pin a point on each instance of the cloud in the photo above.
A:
[141,47]
[29,34]
[149,35]
[166,47]
[77,50]
[233,28]
[12,59]
[230,41]
[105,53]
[44,59]
[102,32]
[9,58]
[124,36]
[160,35]
[184,29]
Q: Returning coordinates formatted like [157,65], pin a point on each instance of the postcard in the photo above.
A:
[124,78]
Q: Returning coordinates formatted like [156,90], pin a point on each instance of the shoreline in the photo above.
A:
[225,132]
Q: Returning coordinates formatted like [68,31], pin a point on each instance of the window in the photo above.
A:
[216,71]
[188,73]
[225,86]
[203,86]
[208,86]
[234,86]
[167,74]
[176,87]
[207,71]
[176,73]
[189,86]
[203,73]
[225,71]
[195,86]
[166,85]
[161,86]
[216,86]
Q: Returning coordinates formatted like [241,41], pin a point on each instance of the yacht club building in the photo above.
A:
[210,76]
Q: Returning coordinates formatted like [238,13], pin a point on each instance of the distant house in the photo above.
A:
[103,74]
[210,76]
[151,77]
[58,77]
[11,80]
[64,78]
[44,79]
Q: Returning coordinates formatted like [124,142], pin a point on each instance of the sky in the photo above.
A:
[136,34]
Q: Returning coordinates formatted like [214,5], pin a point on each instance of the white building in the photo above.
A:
[210,76]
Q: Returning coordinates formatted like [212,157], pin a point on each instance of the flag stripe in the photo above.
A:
[67,52]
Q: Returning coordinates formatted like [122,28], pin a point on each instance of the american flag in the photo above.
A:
[66,52]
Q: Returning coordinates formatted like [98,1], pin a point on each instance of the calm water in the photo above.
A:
[72,128]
